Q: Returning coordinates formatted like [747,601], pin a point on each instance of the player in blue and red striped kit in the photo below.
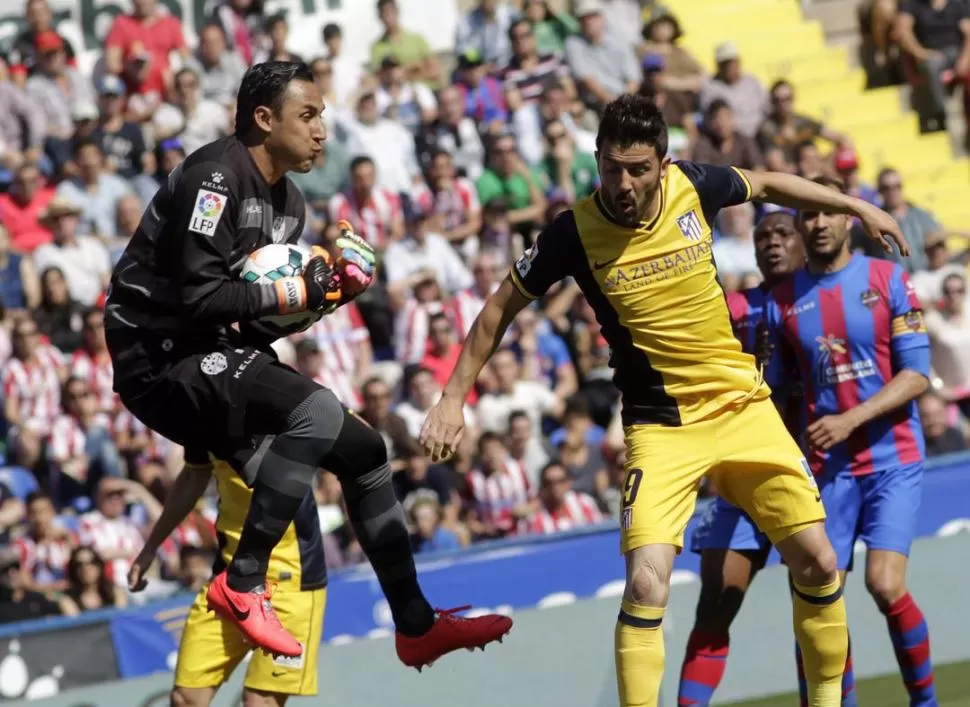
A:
[852,327]
[732,548]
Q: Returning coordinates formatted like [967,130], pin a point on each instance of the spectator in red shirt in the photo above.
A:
[45,548]
[443,351]
[23,54]
[501,489]
[374,212]
[561,508]
[21,207]
[149,27]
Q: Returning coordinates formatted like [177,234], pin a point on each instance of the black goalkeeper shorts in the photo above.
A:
[205,395]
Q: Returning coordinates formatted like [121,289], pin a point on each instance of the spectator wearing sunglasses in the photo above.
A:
[90,586]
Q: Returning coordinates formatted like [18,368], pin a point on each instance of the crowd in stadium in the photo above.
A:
[449,171]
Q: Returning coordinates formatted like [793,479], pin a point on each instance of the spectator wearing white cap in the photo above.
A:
[485,29]
[604,68]
[83,259]
[743,92]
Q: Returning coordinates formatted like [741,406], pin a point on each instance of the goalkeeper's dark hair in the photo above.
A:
[633,119]
[265,85]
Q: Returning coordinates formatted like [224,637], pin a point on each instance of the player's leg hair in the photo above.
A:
[359,459]
[886,582]
[191,696]
[261,698]
[639,640]
[818,611]
[287,463]
[725,577]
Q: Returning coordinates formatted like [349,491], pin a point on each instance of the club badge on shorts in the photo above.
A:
[214,364]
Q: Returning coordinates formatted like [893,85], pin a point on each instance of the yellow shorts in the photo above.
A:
[750,457]
[211,648]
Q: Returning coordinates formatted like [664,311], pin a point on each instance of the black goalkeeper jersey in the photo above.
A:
[179,276]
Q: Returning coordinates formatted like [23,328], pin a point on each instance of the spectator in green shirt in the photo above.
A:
[550,28]
[508,177]
[410,48]
[564,168]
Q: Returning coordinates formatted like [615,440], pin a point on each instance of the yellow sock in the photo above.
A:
[639,648]
[822,634]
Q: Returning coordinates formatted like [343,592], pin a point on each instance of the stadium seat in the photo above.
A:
[20,481]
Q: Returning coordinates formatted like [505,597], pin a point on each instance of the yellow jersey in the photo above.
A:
[298,557]
[656,296]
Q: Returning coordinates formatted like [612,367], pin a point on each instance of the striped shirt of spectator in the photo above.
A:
[33,380]
[126,427]
[454,203]
[412,328]
[112,534]
[560,507]
[500,486]
[96,370]
[310,361]
[45,548]
[344,337]
[372,218]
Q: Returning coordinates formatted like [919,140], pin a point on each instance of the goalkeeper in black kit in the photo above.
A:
[184,370]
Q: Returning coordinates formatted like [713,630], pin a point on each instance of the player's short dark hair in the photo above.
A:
[265,85]
[331,30]
[38,495]
[358,161]
[830,182]
[633,119]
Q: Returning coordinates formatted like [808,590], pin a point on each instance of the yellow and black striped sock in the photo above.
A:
[639,648]
[823,636]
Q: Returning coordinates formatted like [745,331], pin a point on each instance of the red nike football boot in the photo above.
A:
[252,613]
[449,633]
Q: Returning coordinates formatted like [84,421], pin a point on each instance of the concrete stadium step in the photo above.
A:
[867,105]
[887,130]
[813,66]
[807,37]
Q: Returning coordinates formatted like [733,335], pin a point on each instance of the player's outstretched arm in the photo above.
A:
[186,491]
[443,427]
[805,195]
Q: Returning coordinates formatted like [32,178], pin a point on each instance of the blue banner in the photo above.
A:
[502,577]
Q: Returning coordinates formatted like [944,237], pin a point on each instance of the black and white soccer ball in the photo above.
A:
[269,264]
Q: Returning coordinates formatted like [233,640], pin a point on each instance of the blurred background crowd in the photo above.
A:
[449,165]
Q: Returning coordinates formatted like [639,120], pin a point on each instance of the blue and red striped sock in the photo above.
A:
[911,640]
[848,680]
[703,668]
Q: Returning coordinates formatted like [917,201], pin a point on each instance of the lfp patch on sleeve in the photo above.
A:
[207,212]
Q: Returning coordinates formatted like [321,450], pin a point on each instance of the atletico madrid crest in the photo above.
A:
[690,226]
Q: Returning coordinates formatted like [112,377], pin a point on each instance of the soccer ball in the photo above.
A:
[269,264]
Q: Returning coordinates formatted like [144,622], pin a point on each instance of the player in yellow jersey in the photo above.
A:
[693,403]
[211,648]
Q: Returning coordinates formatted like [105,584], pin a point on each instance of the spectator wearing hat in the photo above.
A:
[564,168]
[24,50]
[22,205]
[375,212]
[846,164]
[54,88]
[406,261]
[941,263]
[551,27]
[21,125]
[485,30]
[604,69]
[720,143]
[122,142]
[941,436]
[19,285]
[452,205]
[509,178]
[529,72]
[482,94]
[94,190]
[196,121]
[17,603]
[151,30]
[220,69]
[743,92]
[455,133]
[83,259]
[786,129]
[411,104]
[347,72]
[409,47]
[386,142]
